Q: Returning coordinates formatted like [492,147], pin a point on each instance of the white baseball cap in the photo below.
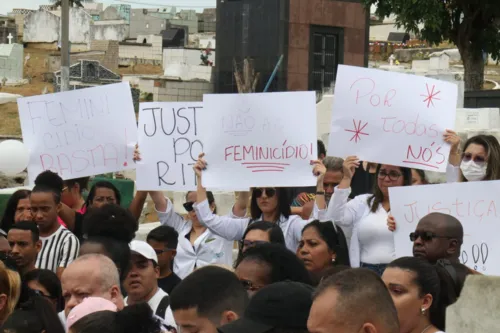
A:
[144,249]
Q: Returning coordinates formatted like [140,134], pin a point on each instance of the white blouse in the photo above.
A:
[233,228]
[209,248]
[452,173]
[371,241]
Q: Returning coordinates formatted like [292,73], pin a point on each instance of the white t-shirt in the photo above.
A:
[154,302]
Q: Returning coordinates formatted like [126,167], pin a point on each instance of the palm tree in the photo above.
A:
[72,3]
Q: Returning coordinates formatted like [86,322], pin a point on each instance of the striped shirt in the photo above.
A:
[58,250]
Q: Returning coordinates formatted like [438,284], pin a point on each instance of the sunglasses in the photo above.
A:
[248,285]
[188,206]
[270,192]
[426,236]
[249,243]
[393,175]
[466,157]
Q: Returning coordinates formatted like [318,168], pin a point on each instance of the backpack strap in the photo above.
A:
[162,307]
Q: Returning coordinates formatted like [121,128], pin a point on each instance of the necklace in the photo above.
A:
[425,329]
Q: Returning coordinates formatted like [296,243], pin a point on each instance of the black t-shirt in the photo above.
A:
[168,283]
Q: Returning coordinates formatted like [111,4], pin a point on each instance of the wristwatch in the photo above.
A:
[320,193]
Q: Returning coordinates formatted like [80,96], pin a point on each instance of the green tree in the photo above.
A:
[472,25]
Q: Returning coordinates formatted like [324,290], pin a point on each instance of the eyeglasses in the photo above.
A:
[188,206]
[249,243]
[248,285]
[270,192]
[466,157]
[393,175]
[426,236]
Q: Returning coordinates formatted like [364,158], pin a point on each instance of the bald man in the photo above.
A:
[91,275]
[354,300]
[438,236]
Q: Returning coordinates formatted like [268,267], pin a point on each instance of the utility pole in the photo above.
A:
[64,45]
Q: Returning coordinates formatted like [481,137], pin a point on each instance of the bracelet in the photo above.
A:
[320,192]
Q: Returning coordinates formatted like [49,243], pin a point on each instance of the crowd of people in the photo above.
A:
[317,260]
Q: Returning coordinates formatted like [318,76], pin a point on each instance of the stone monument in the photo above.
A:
[11,63]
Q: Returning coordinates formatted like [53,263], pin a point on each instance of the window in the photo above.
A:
[326,53]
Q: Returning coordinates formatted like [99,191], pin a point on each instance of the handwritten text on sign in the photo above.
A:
[265,139]
[475,204]
[81,132]
[392,118]
[169,144]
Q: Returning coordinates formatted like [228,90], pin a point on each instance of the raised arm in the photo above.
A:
[137,204]
[165,210]
[224,226]
[341,211]
[453,167]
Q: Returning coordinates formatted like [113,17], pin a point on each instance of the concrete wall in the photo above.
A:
[149,54]
[79,26]
[145,24]
[191,24]
[106,52]
[44,27]
[41,27]
[174,91]
[190,72]
[183,56]
[118,32]
[144,84]
[11,65]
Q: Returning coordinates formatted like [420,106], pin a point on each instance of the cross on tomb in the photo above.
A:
[9,37]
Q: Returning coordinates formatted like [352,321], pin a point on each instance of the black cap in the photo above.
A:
[278,305]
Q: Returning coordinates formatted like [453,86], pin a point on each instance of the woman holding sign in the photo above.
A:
[480,159]
[372,245]
[268,204]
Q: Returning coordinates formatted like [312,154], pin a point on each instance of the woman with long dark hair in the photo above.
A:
[18,208]
[421,293]
[46,283]
[372,244]
[268,204]
[260,232]
[322,246]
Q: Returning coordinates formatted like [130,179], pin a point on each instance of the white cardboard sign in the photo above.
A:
[80,133]
[260,139]
[475,204]
[169,142]
[392,118]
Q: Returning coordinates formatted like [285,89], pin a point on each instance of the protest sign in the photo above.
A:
[169,143]
[261,139]
[80,133]
[474,204]
[392,118]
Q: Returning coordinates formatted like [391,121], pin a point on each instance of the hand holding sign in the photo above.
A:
[375,110]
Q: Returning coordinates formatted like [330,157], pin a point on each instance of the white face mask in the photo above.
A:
[473,171]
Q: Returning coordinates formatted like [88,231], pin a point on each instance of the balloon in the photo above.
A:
[14,157]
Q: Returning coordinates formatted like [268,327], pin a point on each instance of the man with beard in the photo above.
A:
[25,243]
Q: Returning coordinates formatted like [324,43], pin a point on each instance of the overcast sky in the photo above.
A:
[7,5]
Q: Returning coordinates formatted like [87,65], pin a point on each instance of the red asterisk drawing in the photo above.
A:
[431,95]
[357,131]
